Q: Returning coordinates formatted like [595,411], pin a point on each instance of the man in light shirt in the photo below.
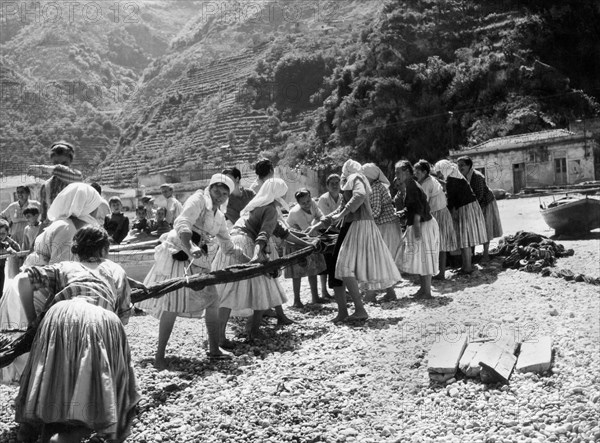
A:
[173,206]
[329,202]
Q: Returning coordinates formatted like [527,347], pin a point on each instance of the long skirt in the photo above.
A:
[493,224]
[254,294]
[364,256]
[421,257]
[448,240]
[392,237]
[12,317]
[469,225]
[313,265]
[185,301]
[79,371]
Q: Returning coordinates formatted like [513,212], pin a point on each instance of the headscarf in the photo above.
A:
[351,171]
[448,169]
[373,172]
[219,178]
[272,190]
[76,200]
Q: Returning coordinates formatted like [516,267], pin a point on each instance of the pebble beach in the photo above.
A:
[314,381]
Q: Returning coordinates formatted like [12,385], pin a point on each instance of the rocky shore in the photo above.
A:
[314,381]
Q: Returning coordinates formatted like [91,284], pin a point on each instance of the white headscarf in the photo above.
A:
[218,178]
[351,171]
[272,190]
[448,169]
[373,172]
[76,200]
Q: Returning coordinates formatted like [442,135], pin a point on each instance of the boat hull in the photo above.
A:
[580,215]
[136,263]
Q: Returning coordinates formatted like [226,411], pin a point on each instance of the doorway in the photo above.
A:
[560,171]
[518,177]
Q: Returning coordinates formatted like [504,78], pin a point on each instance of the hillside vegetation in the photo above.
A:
[67,67]
[306,84]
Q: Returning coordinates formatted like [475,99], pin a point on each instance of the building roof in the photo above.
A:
[518,141]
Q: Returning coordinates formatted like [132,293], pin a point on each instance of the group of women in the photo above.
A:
[79,300]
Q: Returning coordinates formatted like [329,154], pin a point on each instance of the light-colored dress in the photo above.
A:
[79,370]
[439,210]
[488,204]
[198,218]
[419,256]
[258,293]
[363,253]
[300,220]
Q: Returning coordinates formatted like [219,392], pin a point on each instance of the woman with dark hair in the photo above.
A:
[239,197]
[264,171]
[301,217]
[187,249]
[486,200]
[73,208]
[79,377]
[439,210]
[258,222]
[421,242]
[469,223]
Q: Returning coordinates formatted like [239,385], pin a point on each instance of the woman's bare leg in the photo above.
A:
[167,320]
[359,309]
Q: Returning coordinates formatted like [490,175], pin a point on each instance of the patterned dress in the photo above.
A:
[384,214]
[79,370]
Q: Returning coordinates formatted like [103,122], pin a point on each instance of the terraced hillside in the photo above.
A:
[194,101]
[199,110]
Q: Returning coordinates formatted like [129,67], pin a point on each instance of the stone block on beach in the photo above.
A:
[508,343]
[536,355]
[496,363]
[445,355]
[468,365]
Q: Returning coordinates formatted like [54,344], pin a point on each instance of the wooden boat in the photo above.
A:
[135,258]
[573,214]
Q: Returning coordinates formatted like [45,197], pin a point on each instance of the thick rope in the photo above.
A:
[10,349]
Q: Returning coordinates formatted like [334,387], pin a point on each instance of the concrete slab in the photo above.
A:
[535,355]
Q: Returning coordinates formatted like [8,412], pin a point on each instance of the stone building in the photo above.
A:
[554,157]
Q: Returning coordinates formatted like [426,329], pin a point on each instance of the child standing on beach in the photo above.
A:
[302,216]
[32,229]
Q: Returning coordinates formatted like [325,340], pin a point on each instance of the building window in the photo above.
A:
[538,155]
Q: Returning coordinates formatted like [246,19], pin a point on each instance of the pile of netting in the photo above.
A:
[531,252]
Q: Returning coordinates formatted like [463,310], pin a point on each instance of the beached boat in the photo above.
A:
[135,258]
[573,214]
